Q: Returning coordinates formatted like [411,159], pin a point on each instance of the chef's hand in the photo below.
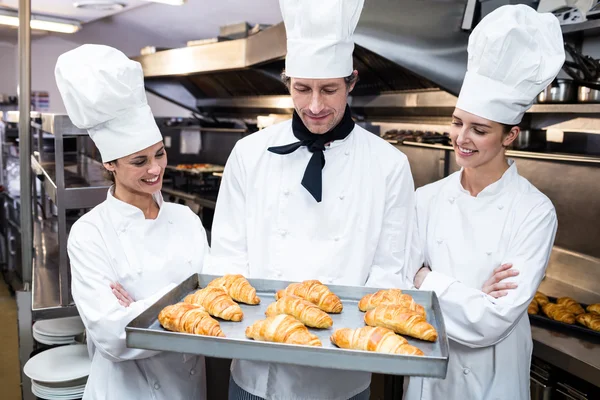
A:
[494,287]
[121,294]
[420,276]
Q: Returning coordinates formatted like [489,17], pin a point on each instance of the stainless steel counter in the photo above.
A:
[576,356]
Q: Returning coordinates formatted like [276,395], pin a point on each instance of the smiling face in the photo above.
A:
[320,103]
[141,172]
[478,141]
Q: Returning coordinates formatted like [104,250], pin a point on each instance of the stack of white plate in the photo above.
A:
[59,373]
[57,331]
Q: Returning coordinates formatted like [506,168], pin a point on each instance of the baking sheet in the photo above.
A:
[576,328]
[145,332]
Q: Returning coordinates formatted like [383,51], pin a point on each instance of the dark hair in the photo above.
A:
[350,79]
[109,175]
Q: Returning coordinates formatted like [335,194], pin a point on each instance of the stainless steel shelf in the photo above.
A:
[588,28]
[85,186]
[583,108]
[46,287]
[513,153]
[58,123]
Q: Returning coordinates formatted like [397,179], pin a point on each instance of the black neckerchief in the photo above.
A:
[315,143]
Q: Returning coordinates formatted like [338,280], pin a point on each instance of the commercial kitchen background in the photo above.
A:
[411,44]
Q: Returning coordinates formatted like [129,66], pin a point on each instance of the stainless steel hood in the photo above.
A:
[414,49]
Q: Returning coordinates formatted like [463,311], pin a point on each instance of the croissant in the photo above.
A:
[591,320]
[303,310]
[315,292]
[594,308]
[217,302]
[387,297]
[571,305]
[541,298]
[238,288]
[402,321]
[189,318]
[533,307]
[558,313]
[378,339]
[282,328]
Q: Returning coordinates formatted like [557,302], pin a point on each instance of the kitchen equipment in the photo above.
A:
[530,139]
[566,392]
[559,91]
[57,331]
[588,95]
[145,332]
[540,386]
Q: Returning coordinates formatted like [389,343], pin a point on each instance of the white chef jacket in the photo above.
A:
[267,225]
[115,243]
[464,238]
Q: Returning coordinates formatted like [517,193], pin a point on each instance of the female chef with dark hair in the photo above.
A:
[132,248]
[487,215]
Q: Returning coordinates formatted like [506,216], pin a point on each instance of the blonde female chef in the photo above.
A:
[132,248]
[487,215]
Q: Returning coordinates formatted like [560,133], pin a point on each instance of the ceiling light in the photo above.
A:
[169,2]
[99,5]
[11,18]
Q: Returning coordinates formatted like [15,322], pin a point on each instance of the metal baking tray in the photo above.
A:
[145,332]
[576,328]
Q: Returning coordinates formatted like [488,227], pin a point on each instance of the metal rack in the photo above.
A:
[70,181]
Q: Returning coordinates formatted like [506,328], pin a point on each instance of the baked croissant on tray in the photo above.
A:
[315,292]
[282,328]
[189,318]
[303,310]
[593,308]
[571,305]
[387,297]
[401,320]
[378,339]
[217,302]
[238,288]
[541,299]
[533,307]
[559,313]
[591,320]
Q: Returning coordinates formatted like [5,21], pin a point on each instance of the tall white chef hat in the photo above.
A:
[319,37]
[103,92]
[514,53]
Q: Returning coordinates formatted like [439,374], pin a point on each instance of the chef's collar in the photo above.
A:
[123,213]
[495,188]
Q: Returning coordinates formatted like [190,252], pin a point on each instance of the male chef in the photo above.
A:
[314,197]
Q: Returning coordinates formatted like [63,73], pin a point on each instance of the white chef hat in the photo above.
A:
[514,53]
[103,92]
[319,37]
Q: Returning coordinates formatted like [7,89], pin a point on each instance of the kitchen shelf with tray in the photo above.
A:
[71,180]
[146,332]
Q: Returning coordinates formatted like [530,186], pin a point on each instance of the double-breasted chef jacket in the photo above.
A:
[115,243]
[464,238]
[267,225]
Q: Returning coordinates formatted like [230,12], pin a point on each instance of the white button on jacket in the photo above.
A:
[490,339]
[165,254]
[362,240]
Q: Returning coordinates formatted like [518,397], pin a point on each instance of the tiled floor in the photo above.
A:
[9,346]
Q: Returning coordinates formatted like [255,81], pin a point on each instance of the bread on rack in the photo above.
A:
[559,313]
[387,297]
[590,320]
[541,299]
[401,320]
[533,307]
[282,328]
[303,310]
[315,292]
[378,339]
[571,305]
[217,302]
[189,318]
[238,288]
[593,308]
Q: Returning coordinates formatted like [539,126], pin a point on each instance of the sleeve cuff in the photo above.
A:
[436,282]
